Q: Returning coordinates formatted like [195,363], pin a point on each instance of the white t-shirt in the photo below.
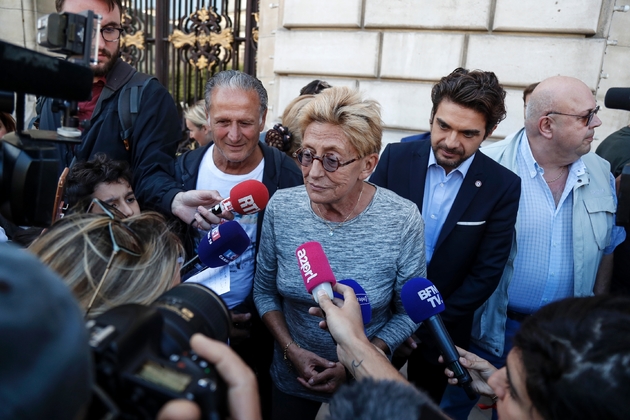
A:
[241,270]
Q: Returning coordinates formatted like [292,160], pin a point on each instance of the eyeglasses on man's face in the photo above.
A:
[329,161]
[111,34]
[588,117]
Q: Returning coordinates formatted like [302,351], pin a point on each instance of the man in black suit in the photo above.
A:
[469,204]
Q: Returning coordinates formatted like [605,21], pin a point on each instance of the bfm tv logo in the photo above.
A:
[432,295]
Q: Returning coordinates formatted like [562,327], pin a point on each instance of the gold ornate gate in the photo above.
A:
[183,42]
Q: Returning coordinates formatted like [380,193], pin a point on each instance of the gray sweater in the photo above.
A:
[381,249]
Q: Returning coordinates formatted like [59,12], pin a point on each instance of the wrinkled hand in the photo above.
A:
[310,368]
[191,206]
[480,370]
[329,380]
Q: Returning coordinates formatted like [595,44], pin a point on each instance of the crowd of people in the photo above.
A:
[518,236]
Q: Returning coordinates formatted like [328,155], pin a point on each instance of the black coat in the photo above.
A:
[476,238]
[153,141]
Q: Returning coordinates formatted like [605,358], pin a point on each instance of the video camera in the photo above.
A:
[29,160]
[143,357]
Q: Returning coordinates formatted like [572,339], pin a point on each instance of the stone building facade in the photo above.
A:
[394,50]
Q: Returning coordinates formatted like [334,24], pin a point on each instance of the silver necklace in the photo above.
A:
[331,228]
[558,177]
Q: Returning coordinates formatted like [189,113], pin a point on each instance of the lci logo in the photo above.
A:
[228,256]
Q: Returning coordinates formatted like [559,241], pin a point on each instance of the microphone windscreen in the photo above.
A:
[618,98]
[223,244]
[249,197]
[421,299]
[362,297]
[314,265]
[26,71]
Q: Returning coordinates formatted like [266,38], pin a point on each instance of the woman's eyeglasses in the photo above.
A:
[116,247]
[329,161]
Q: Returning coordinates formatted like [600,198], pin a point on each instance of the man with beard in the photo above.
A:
[149,145]
[566,233]
[469,204]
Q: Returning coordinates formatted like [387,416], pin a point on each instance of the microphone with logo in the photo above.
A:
[221,245]
[423,303]
[247,197]
[362,297]
[315,269]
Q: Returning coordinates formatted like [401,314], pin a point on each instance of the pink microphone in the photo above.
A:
[315,269]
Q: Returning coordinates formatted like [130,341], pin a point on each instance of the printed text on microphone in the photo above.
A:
[305,266]
[431,294]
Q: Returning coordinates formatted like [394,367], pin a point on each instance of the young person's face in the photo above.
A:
[119,195]
[508,384]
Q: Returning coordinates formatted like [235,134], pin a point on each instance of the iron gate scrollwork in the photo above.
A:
[184,42]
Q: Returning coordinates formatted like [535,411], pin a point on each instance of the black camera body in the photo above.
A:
[143,359]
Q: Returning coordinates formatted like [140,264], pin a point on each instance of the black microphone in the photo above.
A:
[618,98]
[423,303]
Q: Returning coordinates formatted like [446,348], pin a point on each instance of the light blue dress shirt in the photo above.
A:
[440,191]
[543,267]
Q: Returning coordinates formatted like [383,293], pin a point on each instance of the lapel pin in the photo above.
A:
[477,184]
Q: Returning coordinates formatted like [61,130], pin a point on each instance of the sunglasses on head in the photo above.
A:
[116,218]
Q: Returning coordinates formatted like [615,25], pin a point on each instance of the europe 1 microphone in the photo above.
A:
[423,303]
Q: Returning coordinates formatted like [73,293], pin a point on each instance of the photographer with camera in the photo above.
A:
[45,344]
[130,117]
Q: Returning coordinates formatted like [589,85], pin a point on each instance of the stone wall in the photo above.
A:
[394,50]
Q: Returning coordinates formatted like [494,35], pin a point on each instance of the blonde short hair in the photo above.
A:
[78,247]
[197,114]
[359,118]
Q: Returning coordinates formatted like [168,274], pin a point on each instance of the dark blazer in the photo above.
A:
[475,240]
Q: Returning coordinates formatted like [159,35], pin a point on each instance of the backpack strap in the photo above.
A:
[129,104]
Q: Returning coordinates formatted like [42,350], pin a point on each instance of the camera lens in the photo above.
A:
[188,309]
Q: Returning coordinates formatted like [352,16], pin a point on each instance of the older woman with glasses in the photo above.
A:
[107,261]
[368,233]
